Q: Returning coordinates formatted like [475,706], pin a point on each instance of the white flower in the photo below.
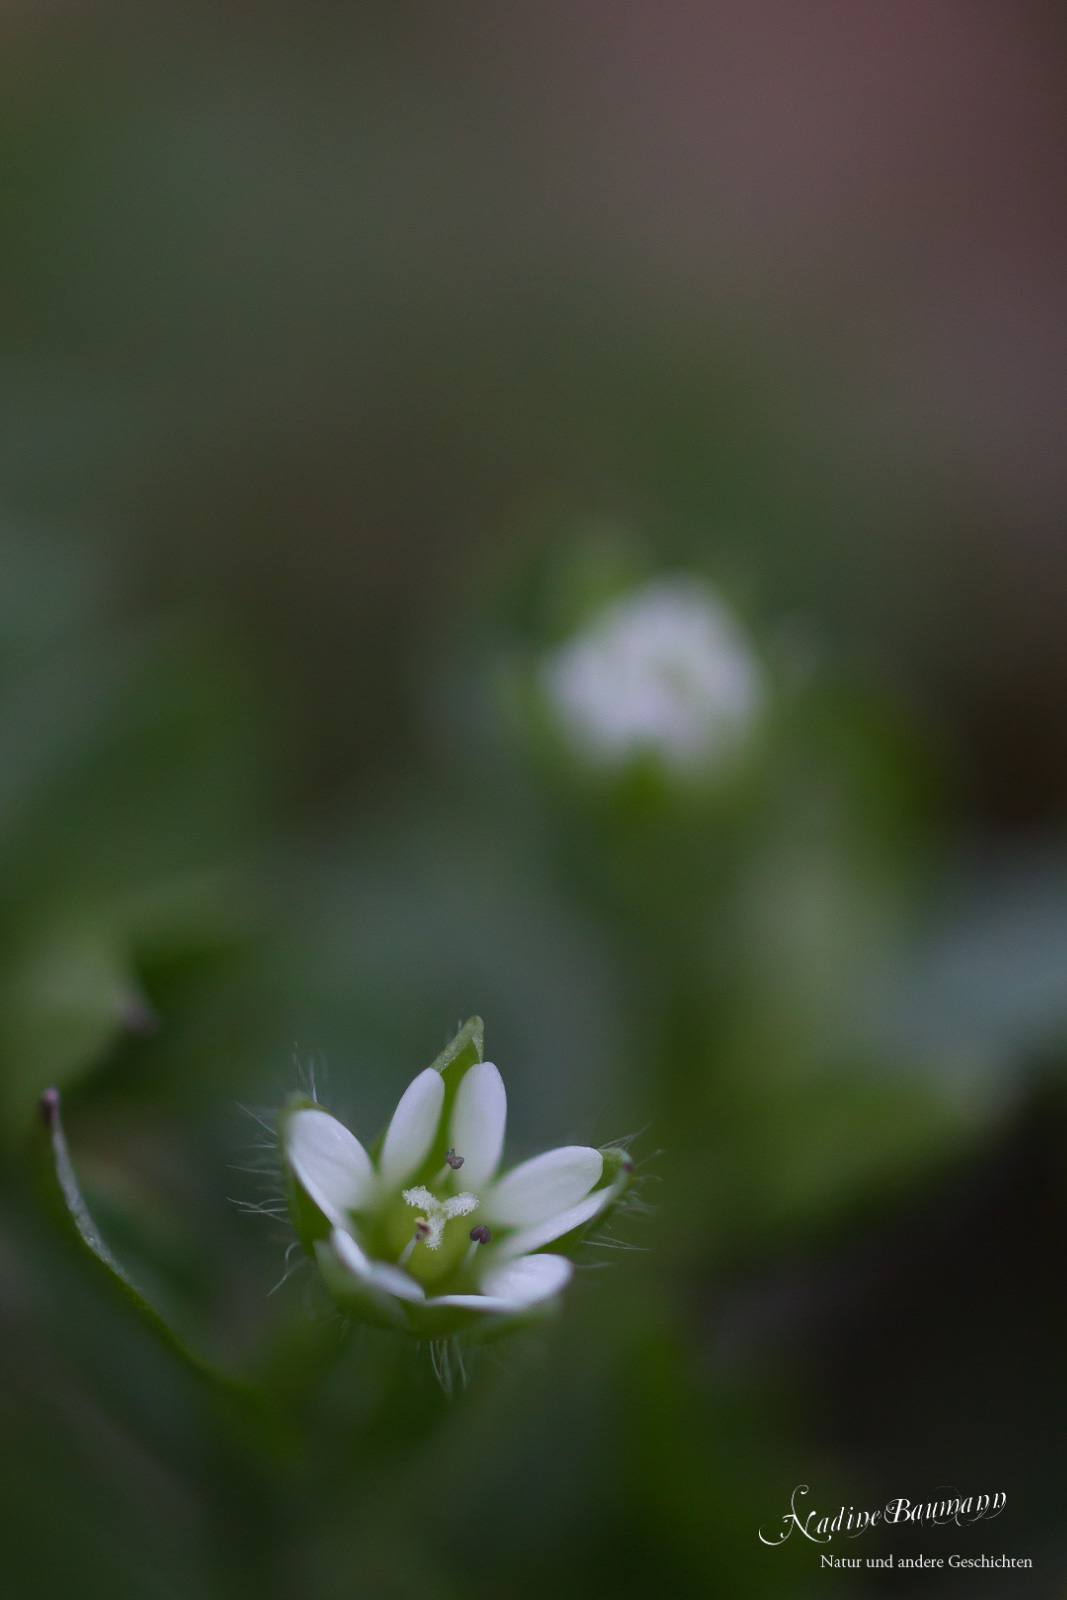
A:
[392,1238]
[666,670]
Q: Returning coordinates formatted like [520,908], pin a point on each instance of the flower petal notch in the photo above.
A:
[427,1238]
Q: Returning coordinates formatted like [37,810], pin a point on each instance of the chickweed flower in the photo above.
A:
[665,670]
[427,1235]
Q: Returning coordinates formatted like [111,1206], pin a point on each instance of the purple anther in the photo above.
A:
[454,1161]
[481,1234]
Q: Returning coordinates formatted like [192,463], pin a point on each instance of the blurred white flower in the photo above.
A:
[383,1240]
[665,670]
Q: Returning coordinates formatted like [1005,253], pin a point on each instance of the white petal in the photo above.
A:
[471,1302]
[478,1118]
[544,1186]
[380,1274]
[350,1253]
[515,1286]
[554,1227]
[329,1162]
[394,1280]
[412,1130]
[529,1279]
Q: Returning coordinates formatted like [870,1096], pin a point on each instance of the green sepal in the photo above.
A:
[420,1321]
[360,1300]
[465,1050]
[475,1327]
[65,1201]
[618,1166]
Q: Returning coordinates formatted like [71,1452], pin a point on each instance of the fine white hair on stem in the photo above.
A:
[268,1127]
[446,1357]
[289,1270]
[272,1207]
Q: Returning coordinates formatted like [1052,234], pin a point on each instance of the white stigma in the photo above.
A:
[438,1212]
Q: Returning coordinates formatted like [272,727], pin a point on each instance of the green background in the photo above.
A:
[349,357]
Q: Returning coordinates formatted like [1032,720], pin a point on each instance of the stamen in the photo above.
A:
[421,1234]
[479,1235]
[452,1164]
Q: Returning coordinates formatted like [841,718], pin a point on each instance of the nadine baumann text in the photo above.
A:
[947,1507]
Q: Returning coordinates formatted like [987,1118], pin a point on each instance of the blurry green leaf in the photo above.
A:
[129,775]
[62,1003]
[66,1203]
[71,985]
[980,992]
[800,1155]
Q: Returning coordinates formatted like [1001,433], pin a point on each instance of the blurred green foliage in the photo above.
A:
[131,800]
[326,411]
[701,964]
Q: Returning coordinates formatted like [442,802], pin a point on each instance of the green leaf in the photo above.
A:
[67,1204]
[63,997]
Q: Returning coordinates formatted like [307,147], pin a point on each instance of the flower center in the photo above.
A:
[437,1212]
